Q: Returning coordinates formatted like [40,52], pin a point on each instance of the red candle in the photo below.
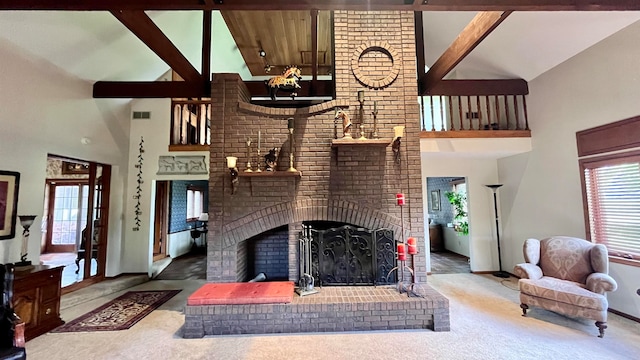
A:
[413,248]
[400,199]
[402,255]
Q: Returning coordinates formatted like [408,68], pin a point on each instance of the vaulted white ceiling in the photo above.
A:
[94,46]
[526,44]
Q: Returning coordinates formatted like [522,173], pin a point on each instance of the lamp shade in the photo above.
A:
[231,162]
[204,217]
[26,220]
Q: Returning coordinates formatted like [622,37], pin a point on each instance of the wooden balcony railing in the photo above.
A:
[474,116]
[190,125]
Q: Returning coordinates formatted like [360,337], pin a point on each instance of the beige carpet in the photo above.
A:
[485,324]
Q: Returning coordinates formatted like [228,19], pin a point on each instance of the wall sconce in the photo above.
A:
[26,221]
[398,131]
[233,170]
[361,97]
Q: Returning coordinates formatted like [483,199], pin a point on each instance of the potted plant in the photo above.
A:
[459,202]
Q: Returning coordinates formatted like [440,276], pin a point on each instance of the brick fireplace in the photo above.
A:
[346,184]
[356,185]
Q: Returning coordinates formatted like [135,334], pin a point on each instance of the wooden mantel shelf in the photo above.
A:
[357,142]
[266,174]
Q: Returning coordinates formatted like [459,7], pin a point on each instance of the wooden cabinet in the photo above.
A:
[36,299]
[436,242]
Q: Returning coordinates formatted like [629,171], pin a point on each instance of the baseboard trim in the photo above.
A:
[624,315]
[125,274]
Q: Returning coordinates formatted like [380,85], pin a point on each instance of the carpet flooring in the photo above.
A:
[486,324]
[120,313]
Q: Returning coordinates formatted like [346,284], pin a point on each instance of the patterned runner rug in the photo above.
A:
[120,313]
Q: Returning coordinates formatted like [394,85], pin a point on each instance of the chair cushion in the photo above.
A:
[566,258]
[563,291]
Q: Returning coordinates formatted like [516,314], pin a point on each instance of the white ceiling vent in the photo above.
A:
[140,115]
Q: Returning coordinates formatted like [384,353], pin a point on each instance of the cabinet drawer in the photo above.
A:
[49,292]
[48,311]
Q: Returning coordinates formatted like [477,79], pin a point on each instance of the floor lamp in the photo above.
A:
[500,273]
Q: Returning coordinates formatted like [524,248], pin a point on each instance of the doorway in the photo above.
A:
[448,225]
[160,227]
[75,220]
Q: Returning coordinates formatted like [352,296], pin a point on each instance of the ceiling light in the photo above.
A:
[262,53]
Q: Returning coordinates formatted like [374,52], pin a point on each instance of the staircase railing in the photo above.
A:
[459,113]
[190,124]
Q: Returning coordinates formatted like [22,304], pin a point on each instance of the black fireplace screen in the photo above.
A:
[352,256]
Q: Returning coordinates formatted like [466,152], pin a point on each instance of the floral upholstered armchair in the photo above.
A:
[568,276]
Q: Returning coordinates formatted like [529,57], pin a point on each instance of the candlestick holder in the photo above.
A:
[402,247]
[374,134]
[362,136]
[291,157]
[248,169]
[258,163]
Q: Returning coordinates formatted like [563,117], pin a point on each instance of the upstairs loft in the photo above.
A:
[460,109]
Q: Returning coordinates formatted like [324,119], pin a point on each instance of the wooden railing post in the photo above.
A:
[452,128]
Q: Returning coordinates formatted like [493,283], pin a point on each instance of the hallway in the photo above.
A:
[446,262]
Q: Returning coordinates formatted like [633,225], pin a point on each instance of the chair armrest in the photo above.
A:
[528,271]
[600,283]
[18,329]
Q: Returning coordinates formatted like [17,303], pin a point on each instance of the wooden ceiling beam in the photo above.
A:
[184,89]
[148,89]
[146,30]
[480,87]
[406,5]
[470,37]
[314,45]
[206,51]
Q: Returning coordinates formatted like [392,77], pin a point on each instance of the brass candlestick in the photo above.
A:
[374,134]
[248,169]
[361,101]
[362,137]
[258,162]
[290,126]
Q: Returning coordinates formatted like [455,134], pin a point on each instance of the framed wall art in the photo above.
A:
[435,200]
[9,182]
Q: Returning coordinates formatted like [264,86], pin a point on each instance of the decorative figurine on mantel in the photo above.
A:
[271,159]
[346,123]
[287,81]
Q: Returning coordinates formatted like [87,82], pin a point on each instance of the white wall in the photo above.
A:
[46,111]
[542,195]
[138,245]
[455,242]
[483,249]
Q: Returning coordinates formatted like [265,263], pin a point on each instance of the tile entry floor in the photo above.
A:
[446,262]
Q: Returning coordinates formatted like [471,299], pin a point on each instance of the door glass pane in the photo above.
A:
[65,215]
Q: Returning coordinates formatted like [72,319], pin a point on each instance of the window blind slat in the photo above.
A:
[613,201]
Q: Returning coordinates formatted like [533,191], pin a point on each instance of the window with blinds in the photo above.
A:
[612,188]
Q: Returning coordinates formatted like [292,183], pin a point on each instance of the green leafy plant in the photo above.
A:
[459,202]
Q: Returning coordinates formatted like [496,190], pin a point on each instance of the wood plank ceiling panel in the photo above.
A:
[285,36]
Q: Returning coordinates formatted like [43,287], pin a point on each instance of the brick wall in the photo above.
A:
[351,184]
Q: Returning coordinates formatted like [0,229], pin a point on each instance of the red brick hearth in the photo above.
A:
[349,184]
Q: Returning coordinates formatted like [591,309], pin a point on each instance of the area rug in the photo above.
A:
[120,313]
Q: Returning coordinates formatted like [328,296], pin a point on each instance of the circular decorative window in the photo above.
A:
[375,64]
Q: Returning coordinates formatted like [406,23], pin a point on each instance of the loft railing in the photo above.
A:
[190,124]
[466,114]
